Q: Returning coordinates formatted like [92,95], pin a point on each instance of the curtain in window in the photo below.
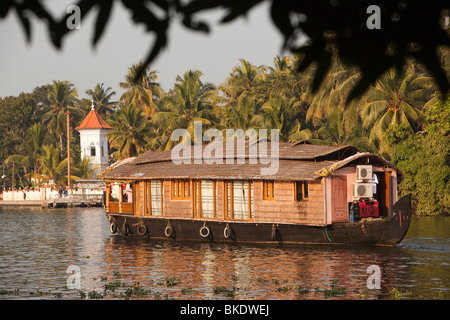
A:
[207,198]
[251,200]
[228,186]
[240,201]
[156,193]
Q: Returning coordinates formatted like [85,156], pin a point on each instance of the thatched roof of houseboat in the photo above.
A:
[297,161]
[357,159]
[287,151]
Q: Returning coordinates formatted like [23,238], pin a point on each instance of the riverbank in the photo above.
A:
[64,202]
[22,203]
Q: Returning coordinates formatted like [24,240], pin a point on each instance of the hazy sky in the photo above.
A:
[25,66]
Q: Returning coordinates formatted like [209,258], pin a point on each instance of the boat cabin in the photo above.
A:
[312,185]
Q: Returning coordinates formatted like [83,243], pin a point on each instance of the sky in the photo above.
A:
[24,66]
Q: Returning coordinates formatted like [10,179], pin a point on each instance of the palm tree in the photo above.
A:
[245,78]
[36,137]
[191,100]
[141,90]
[84,170]
[62,98]
[130,130]
[101,98]
[281,78]
[333,91]
[395,99]
[282,114]
[241,116]
[332,132]
[50,166]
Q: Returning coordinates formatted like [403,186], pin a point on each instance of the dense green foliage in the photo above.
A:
[399,117]
[424,158]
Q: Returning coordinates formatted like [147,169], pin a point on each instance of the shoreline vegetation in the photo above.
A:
[401,116]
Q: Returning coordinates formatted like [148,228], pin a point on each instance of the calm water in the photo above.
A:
[38,245]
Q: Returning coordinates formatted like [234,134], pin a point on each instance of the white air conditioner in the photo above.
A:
[362,190]
[363,173]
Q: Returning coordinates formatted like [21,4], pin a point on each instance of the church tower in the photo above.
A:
[93,140]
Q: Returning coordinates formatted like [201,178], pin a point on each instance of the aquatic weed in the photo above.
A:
[10,292]
[94,295]
[112,286]
[283,289]
[186,291]
[172,281]
[397,294]
[225,291]
[138,290]
[334,291]
[301,290]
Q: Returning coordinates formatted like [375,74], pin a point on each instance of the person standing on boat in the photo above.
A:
[374,182]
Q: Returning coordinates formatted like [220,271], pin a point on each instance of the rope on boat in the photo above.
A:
[326,233]
[363,223]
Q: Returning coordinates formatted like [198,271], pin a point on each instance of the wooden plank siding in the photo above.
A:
[283,209]
[181,209]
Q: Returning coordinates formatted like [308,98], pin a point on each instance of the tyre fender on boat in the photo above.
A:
[142,229]
[168,231]
[126,229]
[204,231]
[227,232]
[113,227]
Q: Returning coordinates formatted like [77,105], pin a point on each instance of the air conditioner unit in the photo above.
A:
[362,190]
[363,172]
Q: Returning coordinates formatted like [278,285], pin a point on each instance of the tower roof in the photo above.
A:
[93,121]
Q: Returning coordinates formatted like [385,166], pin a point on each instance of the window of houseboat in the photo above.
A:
[113,192]
[269,190]
[112,198]
[239,197]
[180,190]
[205,199]
[155,197]
[301,190]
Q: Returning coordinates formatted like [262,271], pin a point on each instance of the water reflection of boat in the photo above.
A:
[318,194]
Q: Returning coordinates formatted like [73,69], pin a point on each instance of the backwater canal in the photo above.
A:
[37,246]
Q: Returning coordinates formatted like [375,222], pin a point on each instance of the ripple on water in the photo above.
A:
[37,246]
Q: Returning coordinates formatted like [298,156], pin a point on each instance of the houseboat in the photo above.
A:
[317,195]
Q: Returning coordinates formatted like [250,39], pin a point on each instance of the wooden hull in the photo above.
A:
[380,231]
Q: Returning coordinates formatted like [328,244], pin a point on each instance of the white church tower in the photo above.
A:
[93,140]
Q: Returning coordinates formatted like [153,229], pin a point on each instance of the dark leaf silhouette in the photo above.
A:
[103,16]
[409,29]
